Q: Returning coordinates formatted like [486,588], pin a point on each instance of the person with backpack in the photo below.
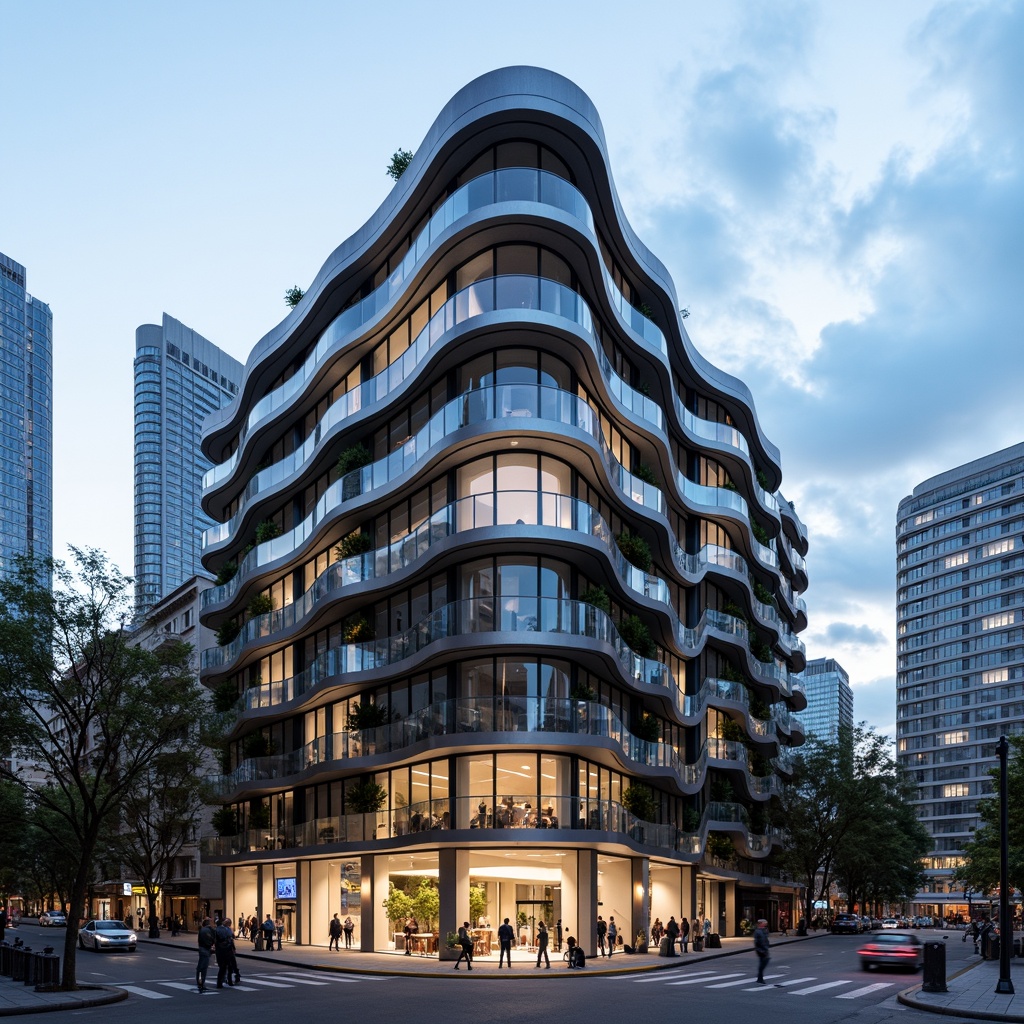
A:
[466,944]
[602,931]
[348,926]
[268,928]
[206,942]
[613,934]
[334,933]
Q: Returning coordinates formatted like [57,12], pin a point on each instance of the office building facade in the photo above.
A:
[960,681]
[507,598]
[829,699]
[180,378]
[26,420]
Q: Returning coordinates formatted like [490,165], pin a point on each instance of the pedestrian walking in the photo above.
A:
[268,929]
[558,936]
[761,948]
[506,936]
[348,926]
[224,946]
[466,944]
[602,931]
[613,934]
[207,940]
[334,930]
[684,934]
[542,945]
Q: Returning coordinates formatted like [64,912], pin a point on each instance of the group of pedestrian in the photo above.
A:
[336,929]
[217,941]
[607,936]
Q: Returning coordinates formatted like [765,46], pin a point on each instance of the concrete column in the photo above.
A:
[586,901]
[303,905]
[728,926]
[641,916]
[374,932]
[453,896]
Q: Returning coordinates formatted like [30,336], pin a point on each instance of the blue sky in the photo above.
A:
[835,188]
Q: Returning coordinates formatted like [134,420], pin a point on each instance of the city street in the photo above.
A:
[814,981]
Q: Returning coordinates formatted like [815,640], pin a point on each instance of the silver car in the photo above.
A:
[101,935]
[52,919]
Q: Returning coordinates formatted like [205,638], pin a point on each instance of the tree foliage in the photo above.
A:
[293,296]
[848,819]
[980,870]
[400,160]
[82,702]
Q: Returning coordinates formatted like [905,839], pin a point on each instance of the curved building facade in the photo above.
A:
[508,598]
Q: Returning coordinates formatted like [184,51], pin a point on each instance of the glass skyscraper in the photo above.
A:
[829,699]
[960,681]
[180,378]
[26,420]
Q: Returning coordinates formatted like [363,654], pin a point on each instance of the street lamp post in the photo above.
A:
[1004,985]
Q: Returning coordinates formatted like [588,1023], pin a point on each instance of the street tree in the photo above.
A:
[979,871]
[14,855]
[52,852]
[158,816]
[84,704]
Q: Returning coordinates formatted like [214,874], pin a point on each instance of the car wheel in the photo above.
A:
[131,949]
[865,966]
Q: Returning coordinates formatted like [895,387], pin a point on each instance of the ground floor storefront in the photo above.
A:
[568,889]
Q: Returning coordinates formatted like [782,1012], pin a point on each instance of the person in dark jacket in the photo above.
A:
[761,948]
[672,933]
[348,926]
[602,931]
[466,944]
[506,936]
[334,932]
[268,929]
[224,948]
[542,945]
[206,942]
[684,934]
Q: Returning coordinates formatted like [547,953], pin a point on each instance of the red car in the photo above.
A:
[892,949]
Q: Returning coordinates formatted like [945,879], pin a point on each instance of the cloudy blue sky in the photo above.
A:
[836,189]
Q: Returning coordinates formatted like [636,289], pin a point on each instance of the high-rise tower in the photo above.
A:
[829,699]
[180,378]
[26,420]
[507,599]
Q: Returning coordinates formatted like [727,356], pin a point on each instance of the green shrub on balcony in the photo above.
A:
[763,594]
[760,766]
[267,530]
[227,573]
[762,480]
[259,816]
[635,550]
[647,728]
[227,632]
[365,797]
[365,715]
[728,729]
[721,791]
[691,819]
[733,609]
[225,696]
[637,636]
[354,457]
[261,604]
[354,544]
[761,535]
[645,311]
[644,472]
[727,672]
[759,709]
[225,821]
[639,799]
[582,691]
[356,630]
[598,597]
[761,649]
[256,744]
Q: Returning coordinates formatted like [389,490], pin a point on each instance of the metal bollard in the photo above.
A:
[5,959]
[30,966]
[47,971]
[934,967]
[19,962]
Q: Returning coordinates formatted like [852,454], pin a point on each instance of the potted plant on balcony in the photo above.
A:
[226,632]
[261,604]
[635,550]
[356,630]
[352,458]
[227,572]
[637,636]
[225,821]
[267,530]
[647,728]
[354,544]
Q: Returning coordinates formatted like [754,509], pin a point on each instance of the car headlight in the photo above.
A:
[133,937]
[100,938]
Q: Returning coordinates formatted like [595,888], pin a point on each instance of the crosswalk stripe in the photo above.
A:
[319,979]
[700,981]
[742,981]
[245,988]
[348,978]
[294,979]
[268,984]
[794,981]
[820,988]
[866,990]
[660,977]
[186,988]
[144,992]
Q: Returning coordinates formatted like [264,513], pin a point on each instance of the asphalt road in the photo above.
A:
[816,982]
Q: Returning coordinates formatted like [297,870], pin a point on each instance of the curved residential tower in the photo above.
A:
[508,598]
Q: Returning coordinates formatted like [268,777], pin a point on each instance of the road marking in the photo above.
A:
[245,988]
[144,992]
[700,981]
[171,960]
[187,988]
[269,984]
[794,981]
[298,979]
[661,977]
[867,990]
[820,988]
[742,981]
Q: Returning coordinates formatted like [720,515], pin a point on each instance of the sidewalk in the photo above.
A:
[972,993]
[16,998]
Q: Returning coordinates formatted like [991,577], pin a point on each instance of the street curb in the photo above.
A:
[670,963]
[906,997]
[115,995]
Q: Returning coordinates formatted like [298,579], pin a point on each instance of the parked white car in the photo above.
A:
[890,923]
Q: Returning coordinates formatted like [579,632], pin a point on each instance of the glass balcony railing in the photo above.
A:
[508,184]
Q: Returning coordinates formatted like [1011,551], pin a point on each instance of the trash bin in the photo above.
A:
[1018,949]
[990,946]
[5,959]
[19,962]
[698,945]
[934,967]
[47,970]
[666,947]
[714,941]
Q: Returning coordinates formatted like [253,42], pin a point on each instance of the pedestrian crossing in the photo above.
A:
[249,983]
[748,983]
